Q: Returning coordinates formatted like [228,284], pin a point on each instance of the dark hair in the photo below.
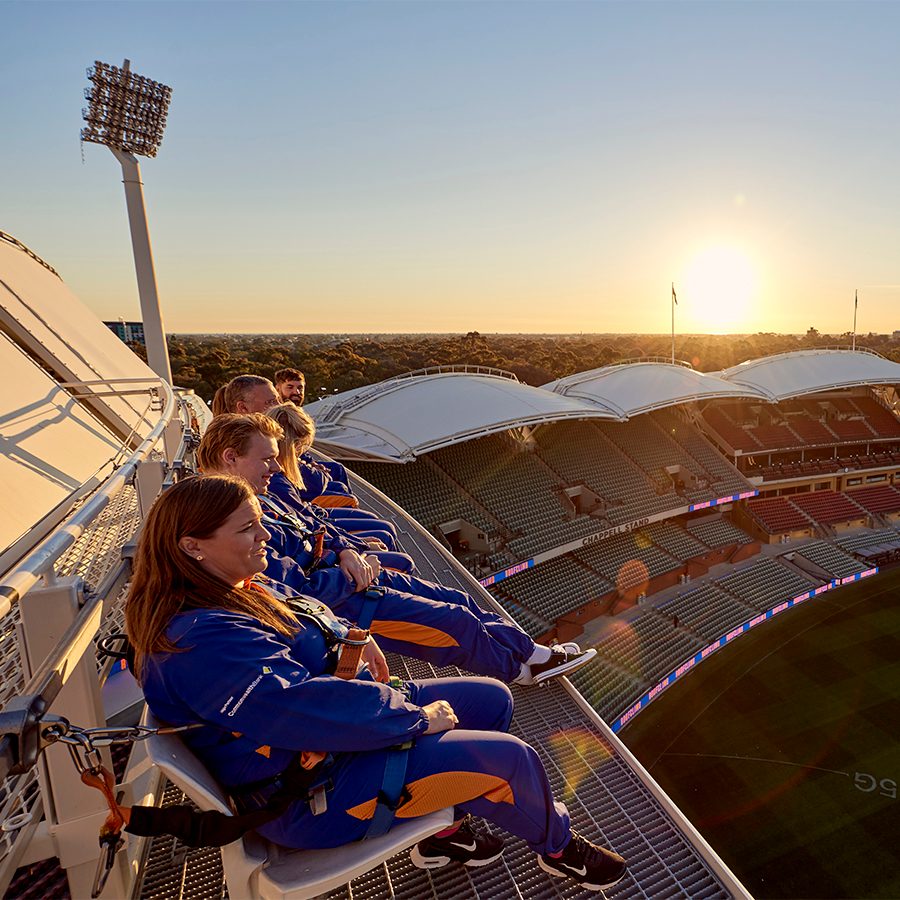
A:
[289,375]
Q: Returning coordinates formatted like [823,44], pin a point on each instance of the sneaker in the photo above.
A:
[465,846]
[564,659]
[594,868]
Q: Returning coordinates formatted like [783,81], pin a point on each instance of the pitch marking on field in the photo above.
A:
[779,762]
[862,781]
[826,602]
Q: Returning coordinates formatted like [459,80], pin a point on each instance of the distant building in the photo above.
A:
[896,335]
[129,332]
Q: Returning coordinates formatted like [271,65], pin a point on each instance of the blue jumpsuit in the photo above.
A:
[274,696]
[336,539]
[350,519]
[323,478]
[413,617]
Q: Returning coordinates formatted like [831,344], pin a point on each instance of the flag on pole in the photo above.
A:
[855,299]
[674,297]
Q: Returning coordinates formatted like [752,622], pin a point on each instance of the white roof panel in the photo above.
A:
[643,385]
[43,315]
[50,444]
[406,416]
[810,371]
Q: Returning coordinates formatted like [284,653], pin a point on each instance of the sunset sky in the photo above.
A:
[547,167]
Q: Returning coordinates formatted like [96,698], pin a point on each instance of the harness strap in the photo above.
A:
[371,598]
[348,663]
[392,793]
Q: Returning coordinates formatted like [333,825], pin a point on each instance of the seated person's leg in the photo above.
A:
[391,559]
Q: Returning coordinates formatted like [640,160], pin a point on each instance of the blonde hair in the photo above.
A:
[234,431]
[167,580]
[297,429]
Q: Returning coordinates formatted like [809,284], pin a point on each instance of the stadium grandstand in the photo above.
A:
[92,436]
[684,505]
[604,506]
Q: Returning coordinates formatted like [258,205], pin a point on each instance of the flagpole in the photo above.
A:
[855,305]
[674,301]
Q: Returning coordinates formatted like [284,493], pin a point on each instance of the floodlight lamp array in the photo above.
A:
[125,111]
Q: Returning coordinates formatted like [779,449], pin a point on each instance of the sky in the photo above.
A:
[449,167]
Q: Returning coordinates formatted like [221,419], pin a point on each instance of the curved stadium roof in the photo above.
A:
[810,371]
[401,418]
[404,417]
[640,386]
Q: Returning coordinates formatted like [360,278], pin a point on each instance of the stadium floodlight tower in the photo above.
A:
[127,113]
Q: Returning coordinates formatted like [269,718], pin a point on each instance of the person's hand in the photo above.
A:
[440,717]
[375,544]
[375,564]
[374,658]
[356,569]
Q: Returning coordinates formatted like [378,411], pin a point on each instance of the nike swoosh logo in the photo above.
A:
[581,871]
[470,847]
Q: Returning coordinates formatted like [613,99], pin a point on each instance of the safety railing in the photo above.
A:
[43,806]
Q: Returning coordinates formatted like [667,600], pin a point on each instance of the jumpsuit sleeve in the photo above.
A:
[284,569]
[260,689]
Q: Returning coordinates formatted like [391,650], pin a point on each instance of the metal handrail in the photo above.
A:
[39,562]
[20,246]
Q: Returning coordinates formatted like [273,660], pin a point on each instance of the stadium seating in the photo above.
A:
[881,498]
[518,490]
[774,437]
[776,514]
[828,557]
[851,430]
[627,559]
[553,588]
[423,492]
[827,507]
[883,422]
[647,646]
[577,452]
[675,541]
[707,610]
[764,583]
[721,474]
[810,431]
[607,687]
[737,438]
[717,531]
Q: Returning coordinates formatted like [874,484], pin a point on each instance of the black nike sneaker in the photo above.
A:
[564,659]
[594,868]
[465,846]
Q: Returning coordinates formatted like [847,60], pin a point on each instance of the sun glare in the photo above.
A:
[719,290]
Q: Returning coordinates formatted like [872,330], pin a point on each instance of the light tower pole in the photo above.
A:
[127,113]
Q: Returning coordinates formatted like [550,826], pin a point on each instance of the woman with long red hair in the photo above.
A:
[217,646]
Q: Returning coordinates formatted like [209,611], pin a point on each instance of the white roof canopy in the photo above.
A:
[644,385]
[404,417]
[810,371]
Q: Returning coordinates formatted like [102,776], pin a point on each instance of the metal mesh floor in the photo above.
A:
[607,801]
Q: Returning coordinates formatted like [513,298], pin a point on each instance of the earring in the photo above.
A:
[199,558]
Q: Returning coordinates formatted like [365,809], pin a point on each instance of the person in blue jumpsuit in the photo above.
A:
[255,394]
[412,616]
[195,608]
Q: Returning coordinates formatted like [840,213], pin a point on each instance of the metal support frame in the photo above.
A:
[74,814]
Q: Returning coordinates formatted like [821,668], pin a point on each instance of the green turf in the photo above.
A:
[770,745]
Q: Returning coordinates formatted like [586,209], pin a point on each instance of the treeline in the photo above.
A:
[340,362]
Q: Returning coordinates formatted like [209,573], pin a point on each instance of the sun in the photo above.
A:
[719,289]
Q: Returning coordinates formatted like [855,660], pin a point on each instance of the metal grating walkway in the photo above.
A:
[588,768]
